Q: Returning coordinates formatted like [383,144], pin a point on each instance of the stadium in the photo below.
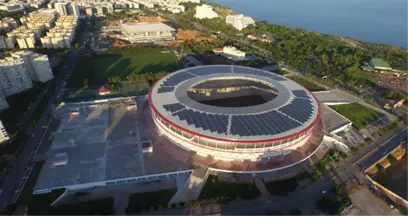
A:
[235,114]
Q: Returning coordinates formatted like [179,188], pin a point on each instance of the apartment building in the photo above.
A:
[62,8]
[7,24]
[239,21]
[14,77]
[38,65]
[205,12]
[62,35]
[4,136]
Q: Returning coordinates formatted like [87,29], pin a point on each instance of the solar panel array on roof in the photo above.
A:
[269,123]
[252,71]
[300,93]
[214,69]
[299,109]
[212,122]
[165,89]
[173,107]
[177,78]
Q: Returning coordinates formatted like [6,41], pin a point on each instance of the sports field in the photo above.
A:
[358,114]
[99,68]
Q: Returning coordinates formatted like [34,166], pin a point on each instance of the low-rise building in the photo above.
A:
[231,53]
[239,21]
[205,12]
[147,32]
[262,38]
[379,64]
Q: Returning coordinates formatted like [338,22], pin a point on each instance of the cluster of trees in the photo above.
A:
[192,47]
[132,50]
[151,77]
[334,203]
[395,95]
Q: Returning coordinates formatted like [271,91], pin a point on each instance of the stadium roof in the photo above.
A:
[133,28]
[293,111]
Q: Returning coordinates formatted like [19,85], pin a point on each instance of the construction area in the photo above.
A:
[183,36]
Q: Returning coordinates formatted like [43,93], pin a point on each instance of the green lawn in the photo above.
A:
[307,84]
[358,114]
[145,201]
[228,191]
[119,64]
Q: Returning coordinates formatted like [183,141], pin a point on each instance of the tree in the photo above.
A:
[295,211]
[85,83]
[274,212]
[392,159]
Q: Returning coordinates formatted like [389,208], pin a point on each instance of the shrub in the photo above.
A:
[392,159]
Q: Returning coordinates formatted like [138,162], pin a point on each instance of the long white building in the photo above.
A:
[14,77]
[147,32]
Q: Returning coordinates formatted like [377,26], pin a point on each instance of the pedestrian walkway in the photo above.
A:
[261,186]
[192,187]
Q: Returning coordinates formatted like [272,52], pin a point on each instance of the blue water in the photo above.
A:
[381,21]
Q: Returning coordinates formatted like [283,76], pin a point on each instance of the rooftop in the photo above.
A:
[133,28]
[102,144]
[378,62]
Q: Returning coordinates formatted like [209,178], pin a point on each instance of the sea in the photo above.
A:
[379,21]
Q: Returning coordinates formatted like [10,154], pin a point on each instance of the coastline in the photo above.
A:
[360,30]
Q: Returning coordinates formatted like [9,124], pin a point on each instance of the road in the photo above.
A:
[24,160]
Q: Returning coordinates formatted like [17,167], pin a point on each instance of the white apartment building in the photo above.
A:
[239,21]
[205,12]
[38,65]
[233,53]
[7,42]
[14,77]
[4,136]
[74,10]
[62,8]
